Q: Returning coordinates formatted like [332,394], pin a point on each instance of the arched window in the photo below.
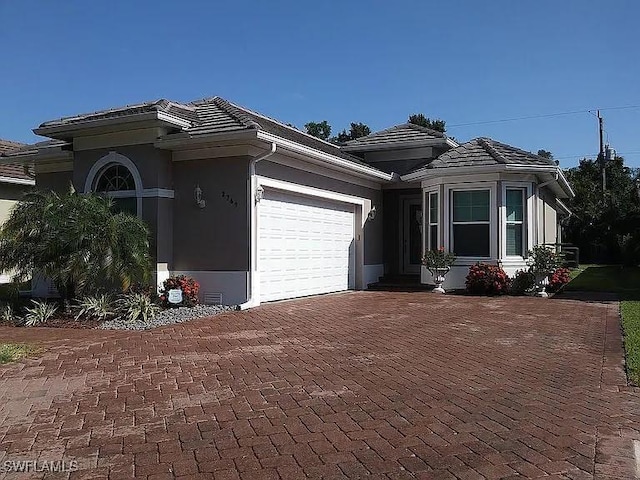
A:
[117,177]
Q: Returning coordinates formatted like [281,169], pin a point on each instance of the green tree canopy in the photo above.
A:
[545,154]
[77,241]
[321,129]
[357,130]
[605,225]
[420,119]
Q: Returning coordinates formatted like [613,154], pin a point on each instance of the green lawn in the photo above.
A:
[10,352]
[625,282]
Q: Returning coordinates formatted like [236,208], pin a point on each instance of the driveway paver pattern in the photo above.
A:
[353,385]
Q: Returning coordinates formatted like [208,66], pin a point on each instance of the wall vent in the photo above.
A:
[212,298]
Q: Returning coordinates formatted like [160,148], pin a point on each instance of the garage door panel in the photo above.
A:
[305,247]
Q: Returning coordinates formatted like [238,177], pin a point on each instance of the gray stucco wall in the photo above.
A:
[55,181]
[214,238]
[157,213]
[373,229]
[154,165]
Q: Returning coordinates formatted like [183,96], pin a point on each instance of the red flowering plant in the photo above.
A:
[558,279]
[190,289]
[486,279]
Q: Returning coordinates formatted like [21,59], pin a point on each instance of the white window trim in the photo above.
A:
[114,158]
[426,221]
[448,216]
[529,223]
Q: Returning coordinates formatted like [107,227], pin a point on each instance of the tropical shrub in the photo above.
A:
[438,259]
[8,315]
[558,279]
[190,289]
[135,306]
[543,260]
[77,241]
[486,279]
[39,313]
[99,307]
[522,282]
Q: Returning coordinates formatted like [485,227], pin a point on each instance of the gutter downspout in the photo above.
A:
[253,227]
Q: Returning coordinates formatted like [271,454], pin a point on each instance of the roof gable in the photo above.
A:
[485,151]
[395,136]
[217,115]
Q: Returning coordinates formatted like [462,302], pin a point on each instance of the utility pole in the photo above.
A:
[601,157]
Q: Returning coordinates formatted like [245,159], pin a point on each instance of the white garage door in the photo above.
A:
[306,246]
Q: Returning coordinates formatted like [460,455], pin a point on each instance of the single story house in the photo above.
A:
[15,180]
[258,211]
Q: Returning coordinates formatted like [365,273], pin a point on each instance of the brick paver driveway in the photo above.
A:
[398,385]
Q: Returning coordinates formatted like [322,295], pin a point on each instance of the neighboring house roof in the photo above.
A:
[394,136]
[485,151]
[9,172]
[29,149]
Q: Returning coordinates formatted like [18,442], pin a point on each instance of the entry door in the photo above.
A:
[411,235]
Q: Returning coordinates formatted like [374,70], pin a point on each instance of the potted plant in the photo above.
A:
[438,262]
[543,261]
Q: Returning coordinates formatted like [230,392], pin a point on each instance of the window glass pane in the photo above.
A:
[514,239]
[433,237]
[126,205]
[415,234]
[515,205]
[115,178]
[433,208]
[471,240]
[471,206]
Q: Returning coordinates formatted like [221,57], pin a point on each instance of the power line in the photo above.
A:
[594,155]
[544,115]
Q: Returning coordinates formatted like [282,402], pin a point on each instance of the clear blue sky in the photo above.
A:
[370,61]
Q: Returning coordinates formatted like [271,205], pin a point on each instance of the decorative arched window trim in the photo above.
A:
[113,158]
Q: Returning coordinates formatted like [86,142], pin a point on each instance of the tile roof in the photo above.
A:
[26,149]
[8,170]
[485,151]
[217,115]
[167,106]
[210,116]
[403,133]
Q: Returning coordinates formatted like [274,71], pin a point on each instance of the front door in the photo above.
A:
[411,243]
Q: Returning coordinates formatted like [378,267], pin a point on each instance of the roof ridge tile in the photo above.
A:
[485,143]
[236,112]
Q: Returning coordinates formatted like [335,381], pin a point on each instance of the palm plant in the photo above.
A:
[100,307]
[76,241]
[40,312]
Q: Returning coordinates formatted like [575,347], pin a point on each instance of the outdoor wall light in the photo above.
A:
[372,213]
[197,196]
[259,193]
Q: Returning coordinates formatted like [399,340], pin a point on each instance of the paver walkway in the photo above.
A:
[354,385]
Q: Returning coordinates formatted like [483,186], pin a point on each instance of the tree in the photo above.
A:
[357,130]
[321,129]
[419,119]
[77,241]
[605,225]
[545,154]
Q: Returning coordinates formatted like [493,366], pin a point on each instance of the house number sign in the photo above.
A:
[175,295]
